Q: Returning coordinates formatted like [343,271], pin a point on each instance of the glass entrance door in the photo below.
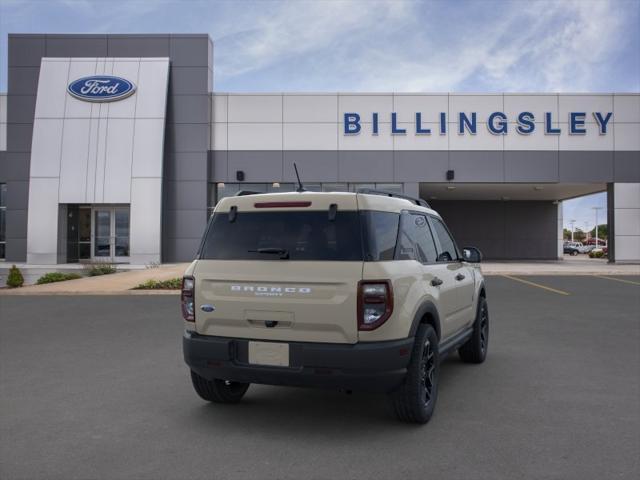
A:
[111,234]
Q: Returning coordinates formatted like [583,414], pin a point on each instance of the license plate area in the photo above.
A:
[269,353]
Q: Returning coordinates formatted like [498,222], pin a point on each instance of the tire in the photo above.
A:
[218,391]
[475,349]
[574,253]
[415,400]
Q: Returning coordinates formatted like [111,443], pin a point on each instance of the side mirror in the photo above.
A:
[471,255]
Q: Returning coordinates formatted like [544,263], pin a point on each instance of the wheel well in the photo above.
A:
[429,319]
[483,294]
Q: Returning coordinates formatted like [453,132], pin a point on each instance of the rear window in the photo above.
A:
[308,235]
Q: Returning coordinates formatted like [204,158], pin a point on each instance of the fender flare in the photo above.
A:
[428,307]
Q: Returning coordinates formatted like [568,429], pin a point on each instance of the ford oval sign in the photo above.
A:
[101,88]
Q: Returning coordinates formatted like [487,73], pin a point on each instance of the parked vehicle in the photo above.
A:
[355,291]
[572,248]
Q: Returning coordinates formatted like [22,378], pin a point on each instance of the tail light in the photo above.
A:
[375,303]
[187,299]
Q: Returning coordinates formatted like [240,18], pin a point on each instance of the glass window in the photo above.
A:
[448,251]
[415,240]
[354,187]
[271,235]
[380,234]
[3,195]
[281,187]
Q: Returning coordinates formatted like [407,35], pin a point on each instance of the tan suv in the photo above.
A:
[356,291]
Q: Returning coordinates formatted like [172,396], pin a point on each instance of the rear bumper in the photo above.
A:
[372,367]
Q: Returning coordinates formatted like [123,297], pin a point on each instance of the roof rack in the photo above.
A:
[371,191]
[242,193]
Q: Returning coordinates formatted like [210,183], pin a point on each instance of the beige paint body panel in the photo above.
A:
[311,301]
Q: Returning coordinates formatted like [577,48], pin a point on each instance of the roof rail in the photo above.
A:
[371,191]
[242,193]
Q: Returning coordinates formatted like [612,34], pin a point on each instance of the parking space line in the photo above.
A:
[618,279]
[533,284]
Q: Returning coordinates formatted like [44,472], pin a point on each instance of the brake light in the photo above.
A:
[187,299]
[281,204]
[375,303]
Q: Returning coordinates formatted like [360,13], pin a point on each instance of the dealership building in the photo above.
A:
[116,148]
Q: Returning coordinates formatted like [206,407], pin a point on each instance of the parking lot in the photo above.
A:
[95,387]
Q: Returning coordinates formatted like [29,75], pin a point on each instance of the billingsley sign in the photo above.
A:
[101,88]
[497,123]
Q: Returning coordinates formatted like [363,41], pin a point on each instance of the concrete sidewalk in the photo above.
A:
[115,283]
[122,283]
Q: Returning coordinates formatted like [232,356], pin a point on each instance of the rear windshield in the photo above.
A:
[352,236]
[289,235]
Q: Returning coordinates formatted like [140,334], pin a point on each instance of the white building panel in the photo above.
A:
[310,108]
[534,141]
[626,136]
[430,106]
[219,108]
[306,136]
[411,141]
[365,105]
[90,186]
[255,108]
[255,136]
[75,108]
[483,105]
[118,158]
[3,136]
[584,103]
[148,147]
[627,221]
[482,140]
[145,220]
[125,108]
[365,140]
[536,104]
[219,136]
[592,140]
[3,108]
[73,169]
[626,107]
[626,195]
[46,147]
[42,223]
[151,92]
[100,161]
[52,89]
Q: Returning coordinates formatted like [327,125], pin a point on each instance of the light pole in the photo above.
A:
[596,209]
[572,222]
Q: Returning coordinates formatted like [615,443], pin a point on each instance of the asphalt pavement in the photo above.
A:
[94,387]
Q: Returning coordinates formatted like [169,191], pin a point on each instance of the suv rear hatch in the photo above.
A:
[281,267]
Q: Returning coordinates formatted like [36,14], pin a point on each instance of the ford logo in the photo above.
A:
[101,88]
[207,308]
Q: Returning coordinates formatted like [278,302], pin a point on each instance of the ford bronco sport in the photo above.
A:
[358,291]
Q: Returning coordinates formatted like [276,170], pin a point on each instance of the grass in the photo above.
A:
[53,277]
[171,284]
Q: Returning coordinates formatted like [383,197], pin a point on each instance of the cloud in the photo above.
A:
[417,46]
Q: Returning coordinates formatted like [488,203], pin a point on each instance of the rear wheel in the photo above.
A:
[475,349]
[416,398]
[218,391]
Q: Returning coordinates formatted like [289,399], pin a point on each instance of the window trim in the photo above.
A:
[459,258]
[433,237]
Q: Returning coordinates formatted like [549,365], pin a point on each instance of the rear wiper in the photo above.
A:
[283,252]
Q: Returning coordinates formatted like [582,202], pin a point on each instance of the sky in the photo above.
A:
[378,45]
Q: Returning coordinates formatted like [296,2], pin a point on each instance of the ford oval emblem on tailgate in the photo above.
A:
[207,308]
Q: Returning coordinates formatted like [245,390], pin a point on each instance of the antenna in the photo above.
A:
[300,186]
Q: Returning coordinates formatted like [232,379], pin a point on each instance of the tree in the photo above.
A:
[579,235]
[566,234]
[603,231]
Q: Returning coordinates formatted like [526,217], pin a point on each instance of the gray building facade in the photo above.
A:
[134,180]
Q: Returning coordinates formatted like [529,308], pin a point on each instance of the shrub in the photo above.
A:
[96,269]
[15,278]
[52,277]
[596,254]
[171,284]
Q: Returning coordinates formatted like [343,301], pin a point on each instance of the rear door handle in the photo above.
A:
[436,282]
[460,277]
